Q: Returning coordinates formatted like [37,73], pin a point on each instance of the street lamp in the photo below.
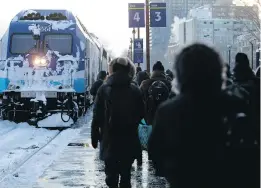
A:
[229,54]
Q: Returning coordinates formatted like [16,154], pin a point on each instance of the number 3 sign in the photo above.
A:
[158,15]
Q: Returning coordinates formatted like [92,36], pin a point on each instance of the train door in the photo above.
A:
[87,64]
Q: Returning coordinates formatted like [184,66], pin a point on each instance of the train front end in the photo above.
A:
[43,72]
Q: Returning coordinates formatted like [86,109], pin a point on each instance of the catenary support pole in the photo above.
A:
[138,38]
[133,38]
[147,35]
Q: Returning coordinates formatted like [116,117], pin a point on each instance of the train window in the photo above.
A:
[61,43]
[22,43]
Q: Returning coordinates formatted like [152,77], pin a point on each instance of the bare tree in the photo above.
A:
[252,15]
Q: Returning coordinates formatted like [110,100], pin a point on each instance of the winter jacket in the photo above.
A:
[245,78]
[141,76]
[95,87]
[145,85]
[117,112]
[186,144]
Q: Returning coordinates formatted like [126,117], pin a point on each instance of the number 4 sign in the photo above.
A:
[158,15]
[136,15]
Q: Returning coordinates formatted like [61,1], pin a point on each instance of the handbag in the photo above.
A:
[144,132]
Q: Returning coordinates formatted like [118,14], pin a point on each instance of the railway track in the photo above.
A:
[15,167]
[30,136]
[30,152]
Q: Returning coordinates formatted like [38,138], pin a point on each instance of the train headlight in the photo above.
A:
[43,62]
[40,62]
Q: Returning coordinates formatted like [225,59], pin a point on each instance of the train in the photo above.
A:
[49,60]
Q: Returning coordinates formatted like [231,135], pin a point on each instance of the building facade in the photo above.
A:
[221,34]
[160,37]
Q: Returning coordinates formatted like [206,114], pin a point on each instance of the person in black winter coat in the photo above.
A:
[118,109]
[141,76]
[95,87]
[158,73]
[245,77]
[187,144]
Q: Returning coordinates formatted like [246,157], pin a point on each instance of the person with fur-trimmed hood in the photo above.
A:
[118,109]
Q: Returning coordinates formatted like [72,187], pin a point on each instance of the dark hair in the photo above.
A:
[138,69]
[158,66]
[241,58]
[141,76]
[102,75]
[242,70]
[198,68]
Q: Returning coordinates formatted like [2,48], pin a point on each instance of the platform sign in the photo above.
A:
[138,51]
[158,15]
[136,15]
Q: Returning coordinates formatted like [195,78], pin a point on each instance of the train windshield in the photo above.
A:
[61,43]
[22,43]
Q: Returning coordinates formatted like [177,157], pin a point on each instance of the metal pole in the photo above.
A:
[133,38]
[131,49]
[147,35]
[138,38]
[252,55]
[229,53]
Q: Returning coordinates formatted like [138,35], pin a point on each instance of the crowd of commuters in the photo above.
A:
[205,120]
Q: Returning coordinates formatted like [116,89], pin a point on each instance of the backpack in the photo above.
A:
[158,92]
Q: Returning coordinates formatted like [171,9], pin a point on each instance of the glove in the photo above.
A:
[94,144]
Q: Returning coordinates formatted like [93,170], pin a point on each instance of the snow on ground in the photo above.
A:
[56,121]
[6,126]
[19,144]
[29,173]
[26,152]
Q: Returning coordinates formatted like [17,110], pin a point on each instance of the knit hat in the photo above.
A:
[158,66]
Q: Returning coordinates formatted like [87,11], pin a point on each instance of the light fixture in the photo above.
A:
[40,62]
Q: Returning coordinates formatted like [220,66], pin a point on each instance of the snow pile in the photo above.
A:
[35,29]
[6,126]
[19,144]
[82,45]
[29,12]
[56,121]
[60,25]
[40,96]
[56,25]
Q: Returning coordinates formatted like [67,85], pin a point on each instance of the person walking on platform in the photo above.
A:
[95,87]
[155,90]
[190,142]
[118,109]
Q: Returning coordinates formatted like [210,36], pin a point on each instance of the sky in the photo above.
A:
[108,19]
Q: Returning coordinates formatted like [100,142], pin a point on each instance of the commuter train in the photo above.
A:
[48,62]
